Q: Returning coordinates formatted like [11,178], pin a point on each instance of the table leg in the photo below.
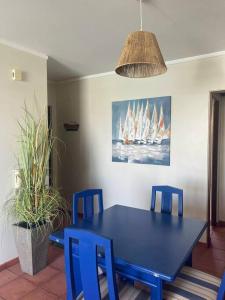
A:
[189,261]
[157,292]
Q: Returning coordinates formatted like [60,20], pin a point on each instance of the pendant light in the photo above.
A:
[141,56]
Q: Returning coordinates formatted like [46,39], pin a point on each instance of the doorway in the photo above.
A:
[216,163]
[50,163]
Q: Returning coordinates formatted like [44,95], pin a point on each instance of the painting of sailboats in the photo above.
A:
[141,131]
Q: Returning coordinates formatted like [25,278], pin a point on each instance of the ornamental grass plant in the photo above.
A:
[34,202]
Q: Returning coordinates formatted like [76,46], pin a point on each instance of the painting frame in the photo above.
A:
[141,131]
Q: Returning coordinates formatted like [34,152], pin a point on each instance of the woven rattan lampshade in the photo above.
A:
[141,56]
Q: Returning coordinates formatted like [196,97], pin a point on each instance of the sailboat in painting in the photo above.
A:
[142,128]
[163,133]
[153,126]
[120,131]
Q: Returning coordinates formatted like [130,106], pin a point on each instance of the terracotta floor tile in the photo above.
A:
[16,269]
[198,250]
[42,276]
[215,272]
[16,289]
[6,276]
[211,260]
[56,285]
[40,294]
[218,229]
[58,263]
[215,267]
[218,236]
[214,253]
[218,244]
[54,252]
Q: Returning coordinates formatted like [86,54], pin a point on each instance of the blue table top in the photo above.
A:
[155,243]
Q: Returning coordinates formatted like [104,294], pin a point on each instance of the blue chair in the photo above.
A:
[167,197]
[82,269]
[189,284]
[221,292]
[88,243]
[87,197]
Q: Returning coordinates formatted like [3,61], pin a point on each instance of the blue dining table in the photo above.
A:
[149,247]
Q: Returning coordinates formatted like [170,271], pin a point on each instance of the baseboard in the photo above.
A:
[9,263]
[221,223]
[202,244]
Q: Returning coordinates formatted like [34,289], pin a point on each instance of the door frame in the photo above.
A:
[212,161]
[50,163]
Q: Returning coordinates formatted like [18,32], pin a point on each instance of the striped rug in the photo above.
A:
[192,284]
[189,284]
[125,289]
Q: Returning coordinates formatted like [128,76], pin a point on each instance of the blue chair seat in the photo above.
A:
[192,284]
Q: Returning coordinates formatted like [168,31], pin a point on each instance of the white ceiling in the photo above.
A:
[83,37]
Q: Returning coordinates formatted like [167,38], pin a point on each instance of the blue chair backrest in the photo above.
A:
[87,197]
[221,292]
[88,244]
[167,198]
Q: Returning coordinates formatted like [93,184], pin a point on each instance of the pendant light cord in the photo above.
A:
[141,18]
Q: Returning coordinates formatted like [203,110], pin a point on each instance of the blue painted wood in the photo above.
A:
[221,292]
[167,198]
[87,198]
[57,237]
[189,261]
[88,244]
[157,291]
[148,246]
[140,236]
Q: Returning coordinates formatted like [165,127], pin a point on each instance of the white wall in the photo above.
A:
[13,94]
[73,147]
[221,162]
[87,162]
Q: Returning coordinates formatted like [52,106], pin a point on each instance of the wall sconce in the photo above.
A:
[16,75]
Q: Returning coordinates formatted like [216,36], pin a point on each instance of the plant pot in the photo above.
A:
[32,246]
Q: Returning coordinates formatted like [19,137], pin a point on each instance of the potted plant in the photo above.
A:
[35,204]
